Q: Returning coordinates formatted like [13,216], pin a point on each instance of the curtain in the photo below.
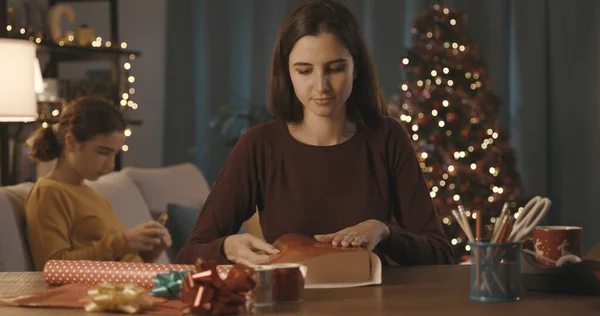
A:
[541,56]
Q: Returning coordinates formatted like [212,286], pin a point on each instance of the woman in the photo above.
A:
[330,165]
[67,220]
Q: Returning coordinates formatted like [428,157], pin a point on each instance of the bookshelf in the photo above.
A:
[56,54]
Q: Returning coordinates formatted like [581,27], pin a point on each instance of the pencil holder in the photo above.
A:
[495,271]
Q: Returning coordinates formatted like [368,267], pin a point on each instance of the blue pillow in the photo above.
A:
[181,223]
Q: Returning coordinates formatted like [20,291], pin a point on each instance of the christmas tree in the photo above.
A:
[451,114]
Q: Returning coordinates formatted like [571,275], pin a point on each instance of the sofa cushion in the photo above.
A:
[181,223]
[125,199]
[181,184]
[14,249]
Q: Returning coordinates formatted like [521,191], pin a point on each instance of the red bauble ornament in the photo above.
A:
[476,200]
[464,133]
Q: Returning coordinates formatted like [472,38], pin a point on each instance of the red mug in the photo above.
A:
[550,243]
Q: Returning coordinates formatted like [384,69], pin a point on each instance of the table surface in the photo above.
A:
[425,290]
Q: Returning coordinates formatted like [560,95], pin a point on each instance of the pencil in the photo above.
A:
[478,226]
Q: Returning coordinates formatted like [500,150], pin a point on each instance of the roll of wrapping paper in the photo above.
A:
[61,272]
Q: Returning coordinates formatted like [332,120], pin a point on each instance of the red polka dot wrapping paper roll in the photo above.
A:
[61,272]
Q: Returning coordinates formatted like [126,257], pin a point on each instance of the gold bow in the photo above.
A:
[108,297]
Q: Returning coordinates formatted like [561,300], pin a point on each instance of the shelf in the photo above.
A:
[55,120]
[67,1]
[83,53]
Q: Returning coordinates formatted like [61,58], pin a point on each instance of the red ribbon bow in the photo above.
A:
[207,294]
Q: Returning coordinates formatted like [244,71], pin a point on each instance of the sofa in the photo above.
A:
[137,195]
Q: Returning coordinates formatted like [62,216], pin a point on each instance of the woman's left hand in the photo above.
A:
[367,234]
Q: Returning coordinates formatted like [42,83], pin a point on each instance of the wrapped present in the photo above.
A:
[61,272]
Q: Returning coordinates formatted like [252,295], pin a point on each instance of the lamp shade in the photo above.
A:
[17,80]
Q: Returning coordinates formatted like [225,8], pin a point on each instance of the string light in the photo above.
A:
[452,22]
[125,148]
[9,28]
[127,132]
[405,61]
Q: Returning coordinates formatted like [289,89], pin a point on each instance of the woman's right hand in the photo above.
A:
[146,236]
[248,249]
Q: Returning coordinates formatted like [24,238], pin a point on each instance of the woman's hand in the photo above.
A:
[146,236]
[367,234]
[248,249]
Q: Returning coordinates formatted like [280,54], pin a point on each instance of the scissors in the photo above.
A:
[529,217]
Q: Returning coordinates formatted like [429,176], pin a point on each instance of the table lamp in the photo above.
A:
[18,80]
[20,77]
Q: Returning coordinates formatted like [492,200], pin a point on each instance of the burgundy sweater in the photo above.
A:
[309,190]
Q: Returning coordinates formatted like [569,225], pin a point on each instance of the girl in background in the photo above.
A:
[66,219]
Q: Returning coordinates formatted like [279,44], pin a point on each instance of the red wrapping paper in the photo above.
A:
[61,272]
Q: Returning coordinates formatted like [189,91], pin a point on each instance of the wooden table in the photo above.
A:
[432,290]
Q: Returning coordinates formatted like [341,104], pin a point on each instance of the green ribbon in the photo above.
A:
[168,284]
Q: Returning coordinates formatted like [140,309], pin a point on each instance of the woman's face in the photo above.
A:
[322,73]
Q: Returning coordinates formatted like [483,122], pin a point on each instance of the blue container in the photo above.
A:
[495,271]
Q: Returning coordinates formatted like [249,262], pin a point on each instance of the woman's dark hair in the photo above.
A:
[84,118]
[365,105]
